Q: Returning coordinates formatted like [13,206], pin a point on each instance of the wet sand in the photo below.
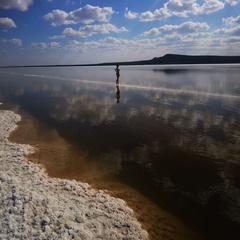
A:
[55,155]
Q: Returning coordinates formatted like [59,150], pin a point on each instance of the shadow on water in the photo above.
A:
[179,149]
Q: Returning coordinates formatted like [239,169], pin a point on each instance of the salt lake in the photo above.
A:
[170,133]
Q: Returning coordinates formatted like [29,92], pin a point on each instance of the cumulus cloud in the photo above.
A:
[87,14]
[111,40]
[21,5]
[74,43]
[235,31]
[45,45]
[53,44]
[130,15]
[158,14]
[7,23]
[210,6]
[16,42]
[184,28]
[175,39]
[231,21]
[182,8]
[58,17]
[90,30]
[116,45]
[232,40]
[232,2]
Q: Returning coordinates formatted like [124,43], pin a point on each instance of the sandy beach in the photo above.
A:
[34,206]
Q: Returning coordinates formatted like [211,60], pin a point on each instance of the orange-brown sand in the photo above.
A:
[62,160]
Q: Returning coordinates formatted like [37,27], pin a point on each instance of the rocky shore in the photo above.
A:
[34,206]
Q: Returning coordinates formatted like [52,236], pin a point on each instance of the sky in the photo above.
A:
[82,31]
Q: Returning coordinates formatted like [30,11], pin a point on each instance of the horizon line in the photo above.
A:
[135,62]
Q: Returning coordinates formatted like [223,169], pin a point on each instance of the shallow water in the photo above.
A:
[170,132]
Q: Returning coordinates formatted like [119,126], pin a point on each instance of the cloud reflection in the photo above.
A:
[205,112]
[176,125]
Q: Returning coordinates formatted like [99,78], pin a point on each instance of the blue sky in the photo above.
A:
[81,31]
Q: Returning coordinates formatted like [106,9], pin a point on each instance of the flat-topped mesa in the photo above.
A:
[194,59]
[166,59]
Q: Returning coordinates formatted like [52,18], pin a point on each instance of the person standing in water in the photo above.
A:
[117,70]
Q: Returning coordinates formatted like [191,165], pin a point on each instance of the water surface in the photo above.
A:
[170,132]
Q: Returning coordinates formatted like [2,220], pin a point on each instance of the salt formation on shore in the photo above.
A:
[34,206]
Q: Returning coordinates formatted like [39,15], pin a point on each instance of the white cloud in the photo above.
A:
[184,28]
[21,5]
[198,42]
[182,8]
[87,14]
[58,17]
[130,15]
[57,37]
[91,44]
[231,21]
[82,47]
[7,23]
[111,40]
[74,43]
[176,39]
[232,40]
[16,42]
[45,45]
[110,45]
[90,30]
[232,2]
[53,44]
[235,31]
[158,14]
[211,6]
[152,32]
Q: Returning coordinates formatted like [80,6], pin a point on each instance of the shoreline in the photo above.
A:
[51,157]
[34,205]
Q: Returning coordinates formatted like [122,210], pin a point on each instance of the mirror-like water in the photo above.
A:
[171,132]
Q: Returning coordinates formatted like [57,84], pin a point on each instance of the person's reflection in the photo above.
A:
[118,94]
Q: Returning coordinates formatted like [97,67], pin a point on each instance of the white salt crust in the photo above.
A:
[34,206]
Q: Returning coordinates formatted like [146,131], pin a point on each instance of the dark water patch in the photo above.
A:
[181,197]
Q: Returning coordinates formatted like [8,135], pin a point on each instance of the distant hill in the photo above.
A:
[183,59]
[166,59]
